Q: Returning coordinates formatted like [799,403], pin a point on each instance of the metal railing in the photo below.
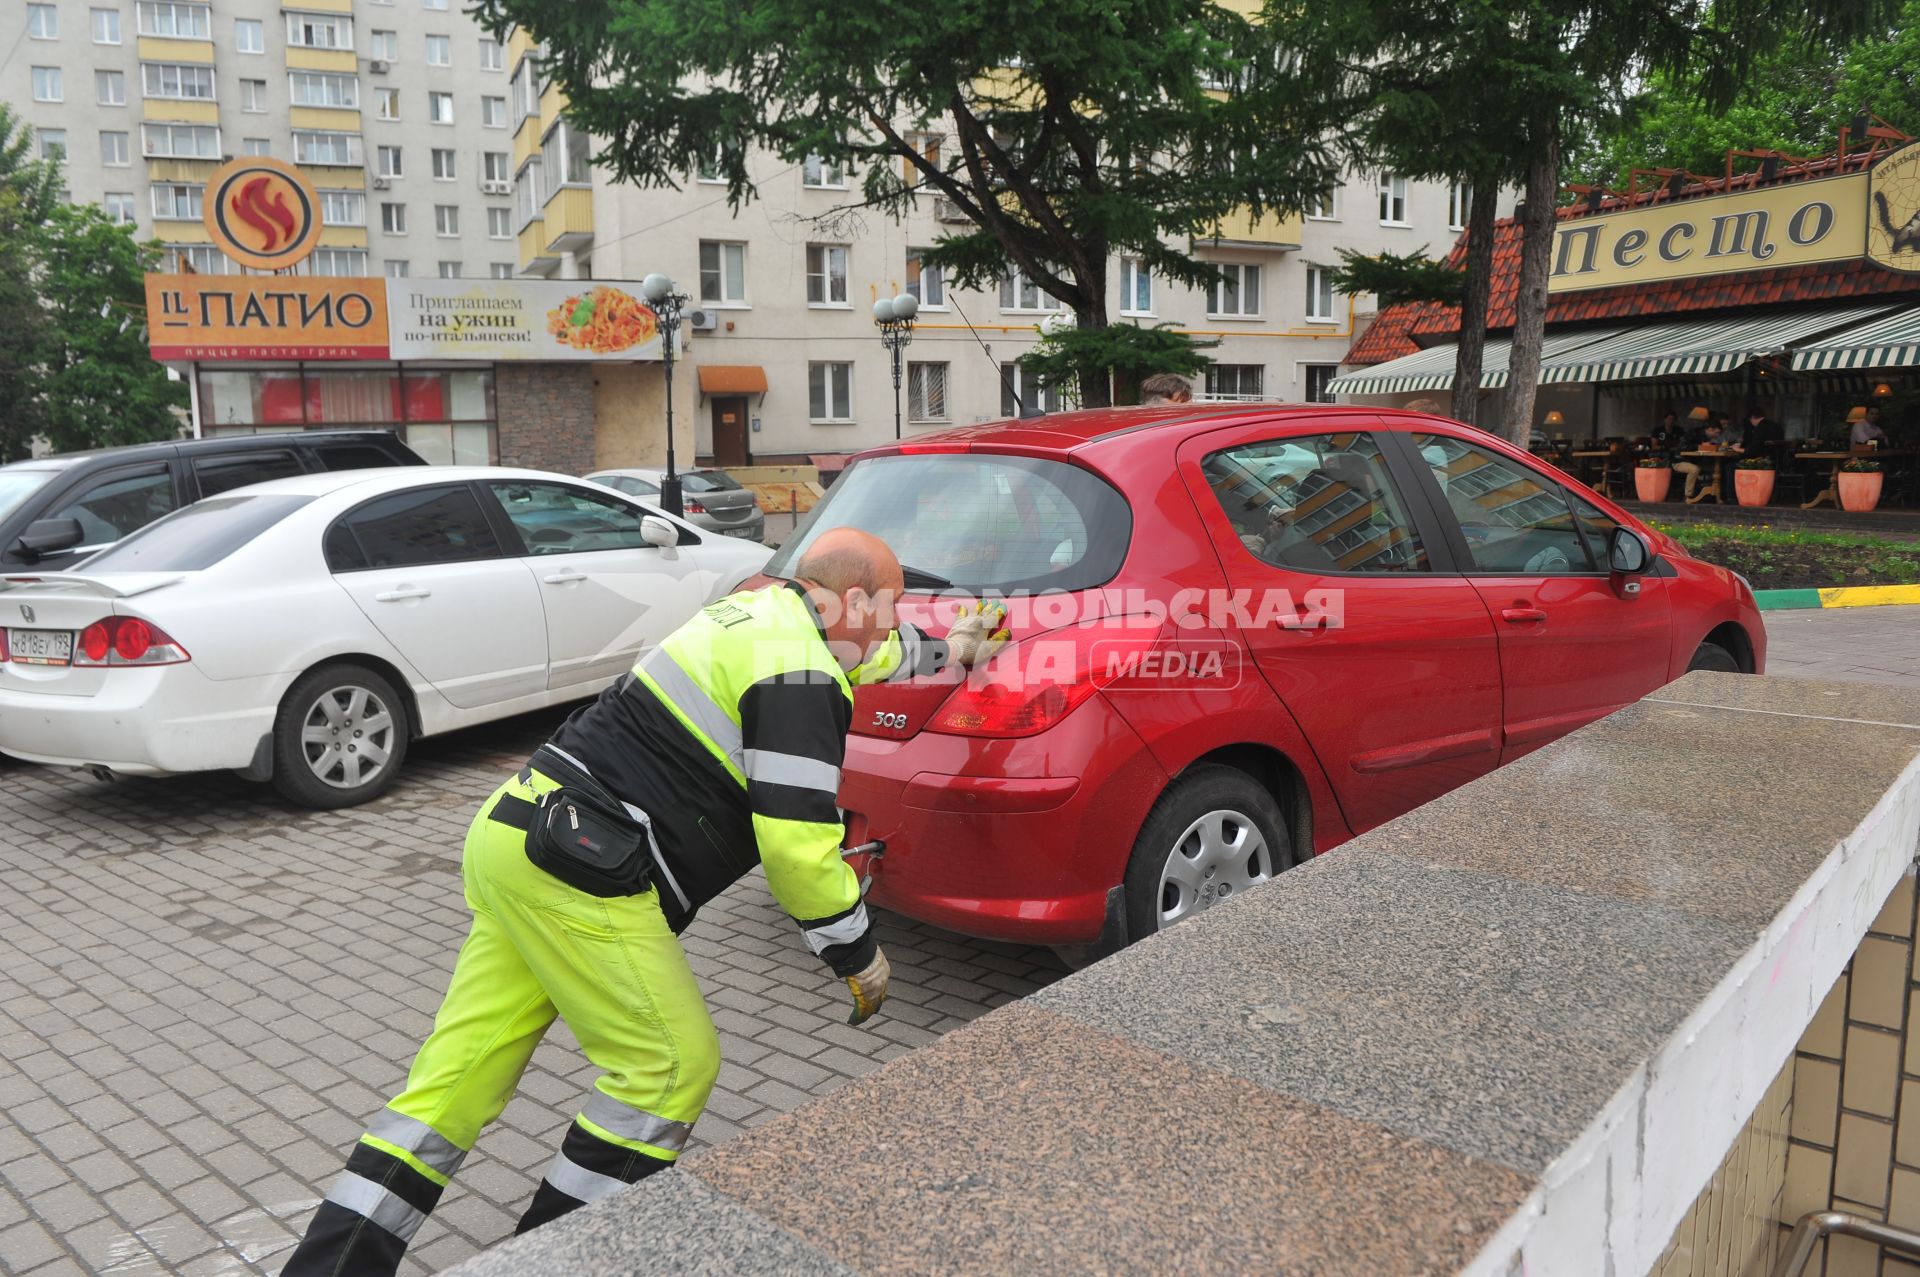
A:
[1815,1226]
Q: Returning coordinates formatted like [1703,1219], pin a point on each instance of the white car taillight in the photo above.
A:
[127,640]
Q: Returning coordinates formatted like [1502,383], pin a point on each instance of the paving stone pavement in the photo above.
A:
[205,994]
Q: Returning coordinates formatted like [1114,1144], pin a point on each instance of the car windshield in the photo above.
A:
[984,522]
[708,481]
[195,537]
[17,485]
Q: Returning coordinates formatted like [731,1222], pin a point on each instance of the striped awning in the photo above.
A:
[1700,347]
[1432,369]
[1891,341]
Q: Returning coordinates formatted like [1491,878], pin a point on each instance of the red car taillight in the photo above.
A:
[692,507]
[5,646]
[1036,683]
[127,640]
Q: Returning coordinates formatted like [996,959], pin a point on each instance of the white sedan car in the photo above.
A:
[305,630]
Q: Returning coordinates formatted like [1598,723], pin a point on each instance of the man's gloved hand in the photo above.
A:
[869,988]
[979,630]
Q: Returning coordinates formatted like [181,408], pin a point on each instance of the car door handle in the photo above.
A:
[564,578]
[1522,615]
[402,594]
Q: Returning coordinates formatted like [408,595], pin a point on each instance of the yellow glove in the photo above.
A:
[869,988]
[979,630]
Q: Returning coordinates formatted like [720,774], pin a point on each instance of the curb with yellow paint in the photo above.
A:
[1839,596]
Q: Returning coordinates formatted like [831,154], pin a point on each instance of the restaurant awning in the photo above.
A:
[1701,346]
[732,379]
[1432,369]
[1891,341]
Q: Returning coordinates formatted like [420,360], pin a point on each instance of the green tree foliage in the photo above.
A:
[101,386]
[29,189]
[1125,352]
[1069,130]
[1399,277]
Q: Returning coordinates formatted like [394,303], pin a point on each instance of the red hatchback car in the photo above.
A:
[1241,634]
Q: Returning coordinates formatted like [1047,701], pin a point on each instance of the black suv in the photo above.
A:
[57,510]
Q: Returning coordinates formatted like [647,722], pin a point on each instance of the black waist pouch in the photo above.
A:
[585,837]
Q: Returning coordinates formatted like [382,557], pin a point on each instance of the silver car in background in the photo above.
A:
[712,498]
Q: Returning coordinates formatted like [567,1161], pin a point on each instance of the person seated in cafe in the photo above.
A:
[1868,430]
[1764,435]
[1669,440]
[1712,438]
[1733,437]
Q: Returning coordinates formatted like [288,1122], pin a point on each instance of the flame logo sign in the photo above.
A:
[270,216]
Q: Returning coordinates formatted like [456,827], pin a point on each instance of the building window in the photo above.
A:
[925,282]
[320,30]
[1321,207]
[43,22]
[255,146]
[388,158]
[202,259]
[177,21]
[927,146]
[253,95]
[500,270]
[440,108]
[443,164]
[47,86]
[396,270]
[526,193]
[110,87]
[119,206]
[180,141]
[387,103]
[493,113]
[446,415]
[337,261]
[826,275]
[499,223]
[249,35]
[822,173]
[450,270]
[1459,202]
[566,155]
[323,88]
[830,392]
[492,56]
[393,219]
[1315,378]
[114,150]
[176,201]
[1319,294]
[1017,292]
[927,392]
[1237,292]
[1393,200]
[1136,287]
[53,145]
[343,208]
[493,166]
[385,46]
[723,273]
[446,221]
[106,25]
[179,80]
[435,4]
[439,51]
[1021,393]
[1234,381]
[338,149]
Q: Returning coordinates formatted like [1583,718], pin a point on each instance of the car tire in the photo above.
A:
[325,726]
[1224,825]
[1711,656]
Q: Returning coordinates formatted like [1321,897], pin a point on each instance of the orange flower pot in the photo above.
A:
[1860,489]
[1754,487]
[1650,483]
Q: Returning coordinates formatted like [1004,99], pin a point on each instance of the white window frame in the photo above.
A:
[110,87]
[523,91]
[43,22]
[822,277]
[396,268]
[253,97]
[1242,272]
[1304,377]
[1319,290]
[343,208]
[1026,391]
[436,99]
[1459,204]
[560,147]
[256,146]
[154,77]
[500,270]
[170,135]
[816,174]
[183,201]
[334,90]
[493,55]
[731,279]
[353,156]
[147,19]
[249,26]
[821,370]
[1016,290]
[117,203]
[446,221]
[393,218]
[445,47]
[1133,273]
[451,270]
[52,145]
[444,163]
[1328,207]
[502,218]
[1239,394]
[1393,200]
[205,259]
[527,201]
[493,111]
[319,30]
[919,275]
[386,104]
[119,154]
[496,166]
[50,84]
[383,46]
[104,23]
[920,405]
[390,161]
[354,261]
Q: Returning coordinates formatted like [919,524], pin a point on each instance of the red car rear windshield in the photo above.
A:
[980,521]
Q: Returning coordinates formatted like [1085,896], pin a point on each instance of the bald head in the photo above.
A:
[842,559]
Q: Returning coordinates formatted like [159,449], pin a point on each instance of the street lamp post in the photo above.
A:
[659,292]
[895,317]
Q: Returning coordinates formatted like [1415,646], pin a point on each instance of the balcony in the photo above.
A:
[569,219]
[1239,229]
[534,257]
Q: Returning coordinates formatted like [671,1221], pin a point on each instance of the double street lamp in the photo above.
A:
[895,317]
[659,291]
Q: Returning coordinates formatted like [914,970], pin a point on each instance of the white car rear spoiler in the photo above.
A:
[121,586]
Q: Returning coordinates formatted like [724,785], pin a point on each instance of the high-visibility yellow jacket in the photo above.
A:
[730,736]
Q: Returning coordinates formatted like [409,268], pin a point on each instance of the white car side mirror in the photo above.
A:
[656,531]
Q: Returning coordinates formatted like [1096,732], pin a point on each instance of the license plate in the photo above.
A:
[41,647]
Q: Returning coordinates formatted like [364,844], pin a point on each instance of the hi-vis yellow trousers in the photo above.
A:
[618,976]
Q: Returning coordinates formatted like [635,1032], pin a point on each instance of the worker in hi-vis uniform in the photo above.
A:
[721,750]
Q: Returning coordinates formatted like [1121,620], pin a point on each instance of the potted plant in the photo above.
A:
[1651,478]
[1860,481]
[1753,480]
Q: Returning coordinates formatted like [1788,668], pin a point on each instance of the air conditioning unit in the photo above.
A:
[702,321]
[379,66]
[382,183]
[945,210]
[497,188]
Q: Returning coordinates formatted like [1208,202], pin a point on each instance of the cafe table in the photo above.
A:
[1710,474]
[1604,483]
[1830,495]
